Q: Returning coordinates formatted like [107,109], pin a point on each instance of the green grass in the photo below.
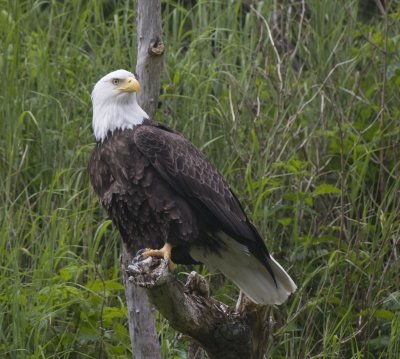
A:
[305,128]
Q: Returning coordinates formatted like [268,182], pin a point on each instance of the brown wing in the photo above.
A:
[189,173]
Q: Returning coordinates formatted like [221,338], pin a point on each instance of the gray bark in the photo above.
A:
[141,318]
[141,314]
[150,61]
[222,332]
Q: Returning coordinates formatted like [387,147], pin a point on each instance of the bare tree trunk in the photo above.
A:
[222,332]
[150,50]
[141,314]
[141,319]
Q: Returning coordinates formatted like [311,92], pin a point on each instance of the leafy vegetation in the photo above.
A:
[296,102]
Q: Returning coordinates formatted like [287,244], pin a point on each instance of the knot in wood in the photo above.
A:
[156,48]
[197,285]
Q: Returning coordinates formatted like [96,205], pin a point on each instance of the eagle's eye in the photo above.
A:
[115,81]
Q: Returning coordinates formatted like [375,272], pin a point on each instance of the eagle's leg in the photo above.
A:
[164,252]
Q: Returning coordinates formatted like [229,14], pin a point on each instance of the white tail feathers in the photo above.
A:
[246,271]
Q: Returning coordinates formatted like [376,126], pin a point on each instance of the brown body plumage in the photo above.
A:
[185,205]
[159,188]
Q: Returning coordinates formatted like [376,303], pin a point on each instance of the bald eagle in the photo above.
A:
[162,193]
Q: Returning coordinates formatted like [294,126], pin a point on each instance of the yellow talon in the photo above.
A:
[164,252]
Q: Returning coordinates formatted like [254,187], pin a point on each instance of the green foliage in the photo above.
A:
[305,128]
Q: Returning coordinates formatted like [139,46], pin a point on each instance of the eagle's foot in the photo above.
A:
[164,252]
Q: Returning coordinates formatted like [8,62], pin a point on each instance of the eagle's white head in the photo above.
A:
[114,104]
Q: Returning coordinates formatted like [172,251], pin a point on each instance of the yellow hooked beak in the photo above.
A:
[130,85]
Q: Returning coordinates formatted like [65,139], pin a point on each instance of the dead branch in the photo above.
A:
[222,332]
